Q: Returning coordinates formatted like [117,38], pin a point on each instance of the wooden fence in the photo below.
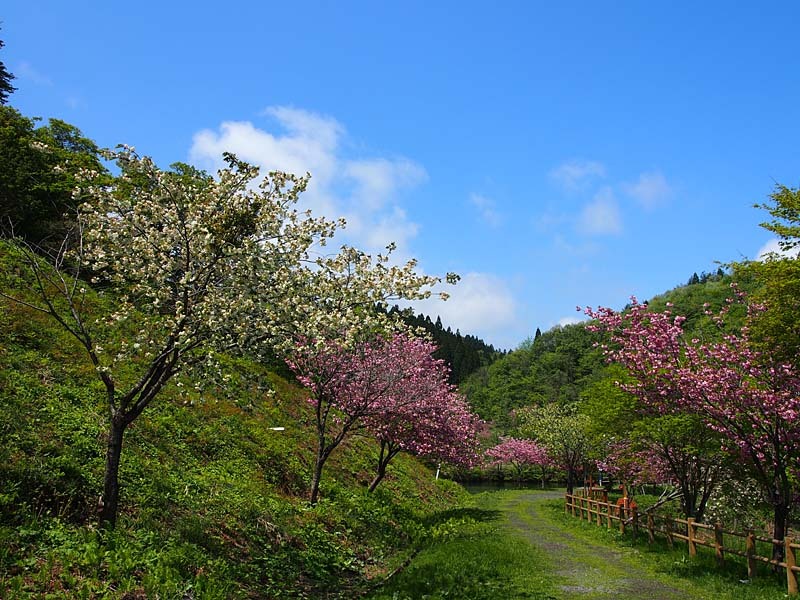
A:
[724,542]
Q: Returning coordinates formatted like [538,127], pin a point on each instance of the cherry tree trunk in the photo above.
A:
[781,521]
[570,480]
[316,476]
[378,477]
[109,503]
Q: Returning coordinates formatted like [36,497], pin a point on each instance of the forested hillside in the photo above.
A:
[561,364]
[464,353]
[552,367]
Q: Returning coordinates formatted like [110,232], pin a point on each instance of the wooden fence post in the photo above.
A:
[598,513]
[668,526]
[622,513]
[589,503]
[608,515]
[750,551]
[791,561]
[651,528]
[572,504]
[718,545]
[635,519]
[691,532]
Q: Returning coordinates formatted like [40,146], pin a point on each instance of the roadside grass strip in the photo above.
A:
[697,577]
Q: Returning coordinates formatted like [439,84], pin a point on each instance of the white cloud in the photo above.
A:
[27,71]
[486,208]
[392,227]
[570,320]
[376,180]
[773,247]
[601,216]
[307,124]
[577,174]
[650,190]
[480,304]
[363,189]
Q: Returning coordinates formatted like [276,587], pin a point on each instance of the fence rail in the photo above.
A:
[598,510]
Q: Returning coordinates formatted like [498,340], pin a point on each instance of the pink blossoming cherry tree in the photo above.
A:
[391,387]
[740,392]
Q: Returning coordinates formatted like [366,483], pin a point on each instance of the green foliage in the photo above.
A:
[611,411]
[689,301]
[36,200]
[554,367]
[784,207]
[776,280]
[777,329]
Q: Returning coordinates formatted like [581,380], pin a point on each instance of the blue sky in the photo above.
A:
[552,154]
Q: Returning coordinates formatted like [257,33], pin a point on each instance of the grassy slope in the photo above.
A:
[212,500]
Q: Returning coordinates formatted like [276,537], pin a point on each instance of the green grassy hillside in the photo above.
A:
[213,499]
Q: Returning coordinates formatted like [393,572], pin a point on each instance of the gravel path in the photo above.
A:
[588,570]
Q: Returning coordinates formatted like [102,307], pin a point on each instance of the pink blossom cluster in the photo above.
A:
[753,402]
[635,466]
[397,390]
[518,452]
[437,425]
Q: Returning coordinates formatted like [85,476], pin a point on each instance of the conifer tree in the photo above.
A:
[5,80]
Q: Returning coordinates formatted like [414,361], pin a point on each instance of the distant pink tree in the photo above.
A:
[753,402]
[636,464]
[428,419]
[371,385]
[518,453]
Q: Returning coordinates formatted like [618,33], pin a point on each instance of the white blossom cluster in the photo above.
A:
[202,264]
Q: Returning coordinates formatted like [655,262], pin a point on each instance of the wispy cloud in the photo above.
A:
[650,190]
[486,209]
[25,70]
[75,101]
[601,216]
[377,179]
[366,190]
[580,248]
[576,175]
[362,189]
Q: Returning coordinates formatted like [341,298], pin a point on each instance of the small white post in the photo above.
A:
[438,467]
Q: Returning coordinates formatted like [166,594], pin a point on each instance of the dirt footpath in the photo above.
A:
[588,570]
